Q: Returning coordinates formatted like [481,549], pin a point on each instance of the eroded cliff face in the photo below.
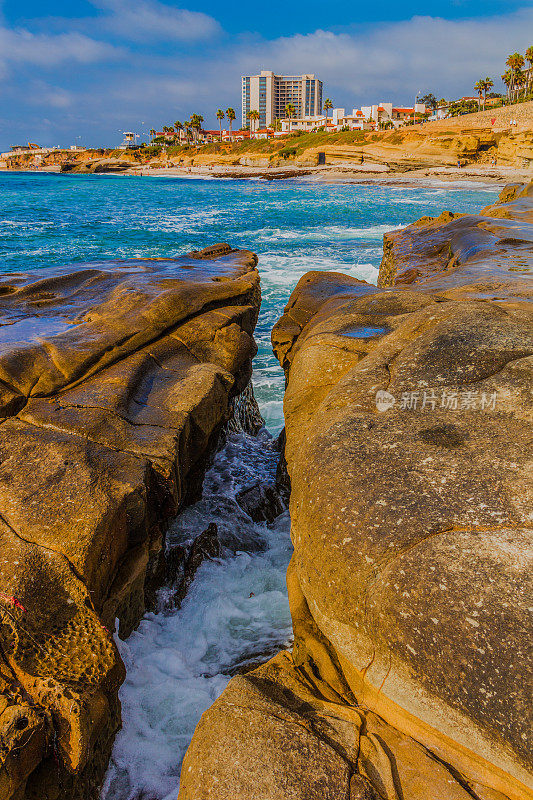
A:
[407,149]
[408,421]
[114,382]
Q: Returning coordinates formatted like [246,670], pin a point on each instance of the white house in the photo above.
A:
[364,118]
[336,122]
[384,113]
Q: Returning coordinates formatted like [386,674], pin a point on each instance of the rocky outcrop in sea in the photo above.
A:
[116,379]
[408,428]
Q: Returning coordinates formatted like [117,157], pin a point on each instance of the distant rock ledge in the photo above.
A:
[115,379]
[408,423]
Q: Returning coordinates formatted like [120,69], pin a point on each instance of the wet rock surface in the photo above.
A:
[261,503]
[245,414]
[115,379]
[206,545]
[408,419]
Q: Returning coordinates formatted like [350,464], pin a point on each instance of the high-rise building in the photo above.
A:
[269,94]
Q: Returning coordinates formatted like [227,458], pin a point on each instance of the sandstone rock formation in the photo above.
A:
[97,165]
[115,379]
[408,422]
[411,149]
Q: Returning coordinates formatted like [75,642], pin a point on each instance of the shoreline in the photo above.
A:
[372,175]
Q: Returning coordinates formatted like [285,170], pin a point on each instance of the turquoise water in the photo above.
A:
[293,226]
[178,661]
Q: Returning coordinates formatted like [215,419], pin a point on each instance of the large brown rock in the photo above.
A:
[410,585]
[97,165]
[115,380]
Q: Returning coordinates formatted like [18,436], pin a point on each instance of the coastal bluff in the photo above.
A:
[116,379]
[408,446]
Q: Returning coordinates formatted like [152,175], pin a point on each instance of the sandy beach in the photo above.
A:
[372,175]
[348,173]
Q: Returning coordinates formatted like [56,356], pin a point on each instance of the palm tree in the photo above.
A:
[290,111]
[178,126]
[487,83]
[220,117]
[196,125]
[230,113]
[254,116]
[515,62]
[520,80]
[327,105]
[152,133]
[193,127]
[529,59]
[507,78]
[478,87]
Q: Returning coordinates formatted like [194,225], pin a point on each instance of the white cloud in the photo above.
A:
[385,62]
[427,53]
[382,62]
[150,20]
[44,94]
[22,47]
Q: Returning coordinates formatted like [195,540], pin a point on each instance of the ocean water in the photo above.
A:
[294,226]
[179,660]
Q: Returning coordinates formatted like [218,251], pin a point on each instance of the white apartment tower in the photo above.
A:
[269,94]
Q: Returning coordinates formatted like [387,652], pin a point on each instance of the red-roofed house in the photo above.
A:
[338,121]
[263,133]
[395,115]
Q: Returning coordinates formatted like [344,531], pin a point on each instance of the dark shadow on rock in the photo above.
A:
[261,503]
[205,546]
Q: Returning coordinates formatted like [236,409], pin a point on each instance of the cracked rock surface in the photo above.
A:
[115,379]
[408,425]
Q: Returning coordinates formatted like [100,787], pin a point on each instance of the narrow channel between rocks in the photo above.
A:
[223,609]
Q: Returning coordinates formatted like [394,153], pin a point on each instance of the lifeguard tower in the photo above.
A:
[129,139]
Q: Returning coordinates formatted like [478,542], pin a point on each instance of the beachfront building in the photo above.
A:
[171,136]
[395,116]
[366,118]
[338,121]
[269,93]
[226,135]
[263,133]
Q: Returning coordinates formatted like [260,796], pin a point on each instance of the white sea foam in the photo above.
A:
[321,233]
[280,271]
[183,219]
[178,662]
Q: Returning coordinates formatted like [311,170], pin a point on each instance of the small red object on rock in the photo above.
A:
[13,601]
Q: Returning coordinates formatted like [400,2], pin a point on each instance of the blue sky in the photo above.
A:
[81,71]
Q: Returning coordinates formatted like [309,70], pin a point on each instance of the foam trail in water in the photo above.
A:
[178,662]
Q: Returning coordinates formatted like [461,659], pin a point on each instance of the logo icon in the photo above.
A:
[384,400]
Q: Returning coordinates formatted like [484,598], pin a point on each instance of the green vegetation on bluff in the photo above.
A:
[295,142]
